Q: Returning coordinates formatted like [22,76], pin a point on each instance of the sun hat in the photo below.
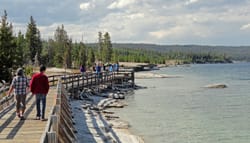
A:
[19,71]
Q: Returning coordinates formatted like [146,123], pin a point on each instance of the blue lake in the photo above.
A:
[181,110]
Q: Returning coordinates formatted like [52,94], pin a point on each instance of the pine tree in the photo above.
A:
[67,54]
[107,48]
[7,48]
[63,48]
[100,46]
[91,57]
[33,41]
[39,47]
[47,54]
[83,54]
[20,51]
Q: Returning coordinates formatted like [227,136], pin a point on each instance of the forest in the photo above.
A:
[29,49]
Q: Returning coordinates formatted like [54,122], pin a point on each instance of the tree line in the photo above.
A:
[29,49]
[23,50]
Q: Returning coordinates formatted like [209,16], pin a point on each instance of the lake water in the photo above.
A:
[181,110]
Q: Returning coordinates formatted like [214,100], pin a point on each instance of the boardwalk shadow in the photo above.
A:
[83,131]
[111,130]
[11,118]
[93,128]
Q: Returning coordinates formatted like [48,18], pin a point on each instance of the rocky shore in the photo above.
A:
[95,123]
[149,74]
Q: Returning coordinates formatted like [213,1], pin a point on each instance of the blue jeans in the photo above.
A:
[40,98]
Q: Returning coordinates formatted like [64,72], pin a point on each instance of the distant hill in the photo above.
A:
[241,53]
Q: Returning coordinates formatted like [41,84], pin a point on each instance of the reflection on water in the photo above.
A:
[180,110]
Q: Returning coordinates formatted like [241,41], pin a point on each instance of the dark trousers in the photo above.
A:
[40,98]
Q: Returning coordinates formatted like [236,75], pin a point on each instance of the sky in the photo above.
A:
[164,22]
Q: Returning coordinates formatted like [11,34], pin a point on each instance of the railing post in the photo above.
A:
[78,80]
[87,77]
[51,137]
[72,83]
[133,78]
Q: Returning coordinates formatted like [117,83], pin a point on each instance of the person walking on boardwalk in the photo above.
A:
[39,85]
[20,85]
[82,70]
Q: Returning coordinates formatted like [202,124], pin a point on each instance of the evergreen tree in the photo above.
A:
[67,54]
[33,41]
[107,48]
[63,48]
[91,57]
[100,46]
[39,48]
[7,48]
[47,54]
[83,54]
[20,51]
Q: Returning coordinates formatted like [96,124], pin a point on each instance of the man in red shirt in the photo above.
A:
[39,85]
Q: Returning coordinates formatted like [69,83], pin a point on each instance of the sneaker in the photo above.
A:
[37,118]
[18,115]
[43,119]
[22,118]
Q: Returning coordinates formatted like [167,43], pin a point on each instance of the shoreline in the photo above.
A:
[94,120]
[95,123]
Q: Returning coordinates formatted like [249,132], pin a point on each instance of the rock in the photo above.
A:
[217,85]
[117,96]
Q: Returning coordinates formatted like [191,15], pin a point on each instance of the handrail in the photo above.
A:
[59,128]
[88,80]
[7,101]
[91,79]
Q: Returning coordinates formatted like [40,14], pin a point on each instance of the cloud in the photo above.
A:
[191,2]
[121,4]
[136,15]
[86,6]
[246,26]
[150,21]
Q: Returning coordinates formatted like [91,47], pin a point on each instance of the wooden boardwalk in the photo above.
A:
[14,130]
[30,130]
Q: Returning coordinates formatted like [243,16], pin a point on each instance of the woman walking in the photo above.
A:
[20,86]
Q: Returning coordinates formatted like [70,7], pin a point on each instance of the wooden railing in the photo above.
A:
[74,80]
[7,101]
[60,127]
[92,79]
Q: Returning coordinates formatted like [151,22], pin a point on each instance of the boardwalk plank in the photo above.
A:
[14,130]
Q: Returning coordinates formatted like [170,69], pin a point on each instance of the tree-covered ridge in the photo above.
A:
[156,57]
[241,53]
[30,50]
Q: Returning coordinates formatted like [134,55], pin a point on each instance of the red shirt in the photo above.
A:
[39,84]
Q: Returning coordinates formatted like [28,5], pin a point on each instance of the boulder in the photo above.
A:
[217,85]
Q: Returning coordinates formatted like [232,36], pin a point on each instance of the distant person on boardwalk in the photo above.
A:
[82,70]
[94,68]
[110,68]
[39,85]
[104,67]
[20,85]
[98,70]
[116,66]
